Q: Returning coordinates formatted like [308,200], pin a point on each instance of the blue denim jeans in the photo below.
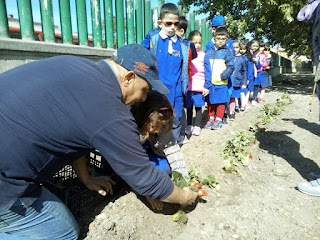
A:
[47,218]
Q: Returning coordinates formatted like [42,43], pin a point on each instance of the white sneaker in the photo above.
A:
[188,130]
[183,141]
[196,131]
[254,103]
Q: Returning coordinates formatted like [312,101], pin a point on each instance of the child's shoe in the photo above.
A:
[254,103]
[209,124]
[260,100]
[237,109]
[188,130]
[232,116]
[196,131]
[217,124]
[183,140]
[242,109]
[224,121]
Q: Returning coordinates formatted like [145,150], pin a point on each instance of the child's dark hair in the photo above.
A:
[267,47]
[194,33]
[243,44]
[168,8]
[249,54]
[262,44]
[157,108]
[221,31]
[183,23]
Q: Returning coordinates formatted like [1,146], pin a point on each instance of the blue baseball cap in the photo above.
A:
[218,21]
[137,58]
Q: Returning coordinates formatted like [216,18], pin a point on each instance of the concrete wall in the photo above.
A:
[15,52]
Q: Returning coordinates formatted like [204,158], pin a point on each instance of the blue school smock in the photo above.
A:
[251,78]
[172,68]
[219,93]
[260,78]
[229,44]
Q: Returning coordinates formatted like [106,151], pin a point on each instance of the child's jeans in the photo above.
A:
[216,109]
[47,218]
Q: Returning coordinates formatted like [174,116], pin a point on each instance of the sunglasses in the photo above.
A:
[169,24]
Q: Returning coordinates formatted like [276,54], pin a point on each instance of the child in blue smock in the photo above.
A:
[239,78]
[222,65]
[154,118]
[173,59]
[244,93]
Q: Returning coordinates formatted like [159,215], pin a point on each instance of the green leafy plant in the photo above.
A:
[235,150]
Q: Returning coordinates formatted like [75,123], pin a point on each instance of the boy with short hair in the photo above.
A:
[173,59]
[217,22]
[222,65]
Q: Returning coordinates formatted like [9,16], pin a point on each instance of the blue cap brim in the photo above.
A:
[159,86]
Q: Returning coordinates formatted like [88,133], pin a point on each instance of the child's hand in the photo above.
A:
[267,67]
[155,203]
[205,92]
[243,86]
[255,60]
[248,82]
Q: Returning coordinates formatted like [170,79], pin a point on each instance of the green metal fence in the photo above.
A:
[133,19]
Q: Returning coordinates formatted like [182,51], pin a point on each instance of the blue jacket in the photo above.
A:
[240,73]
[221,60]
[153,35]
[229,44]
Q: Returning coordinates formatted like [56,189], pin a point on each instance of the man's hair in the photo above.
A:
[183,23]
[221,31]
[194,33]
[168,8]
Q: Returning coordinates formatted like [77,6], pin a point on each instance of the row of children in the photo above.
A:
[222,77]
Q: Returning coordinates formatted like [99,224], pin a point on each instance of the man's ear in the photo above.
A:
[128,78]
[159,22]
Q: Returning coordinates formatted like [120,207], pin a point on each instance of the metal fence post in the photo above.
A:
[25,19]
[96,23]
[192,22]
[108,23]
[147,16]
[4,27]
[139,21]
[65,19]
[47,20]
[130,22]
[120,23]
[203,33]
[160,3]
[82,22]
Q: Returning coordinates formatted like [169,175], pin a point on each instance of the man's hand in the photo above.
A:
[205,92]
[184,196]
[102,184]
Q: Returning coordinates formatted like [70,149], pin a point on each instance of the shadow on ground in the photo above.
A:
[282,145]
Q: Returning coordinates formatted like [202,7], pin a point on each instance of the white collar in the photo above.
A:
[164,36]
